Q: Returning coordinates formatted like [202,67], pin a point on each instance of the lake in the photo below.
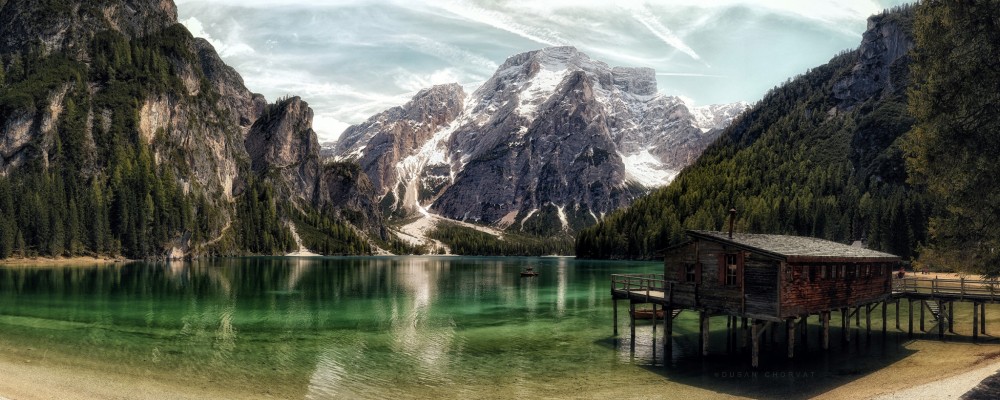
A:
[392,327]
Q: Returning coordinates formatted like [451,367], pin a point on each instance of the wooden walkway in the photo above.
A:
[935,297]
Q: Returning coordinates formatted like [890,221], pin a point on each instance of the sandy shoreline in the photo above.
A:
[25,379]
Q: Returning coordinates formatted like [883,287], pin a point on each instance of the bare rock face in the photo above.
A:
[64,26]
[282,141]
[882,58]
[244,107]
[385,139]
[549,143]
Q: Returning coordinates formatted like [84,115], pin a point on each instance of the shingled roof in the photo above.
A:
[796,248]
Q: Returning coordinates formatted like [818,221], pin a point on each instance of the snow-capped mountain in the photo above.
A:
[552,141]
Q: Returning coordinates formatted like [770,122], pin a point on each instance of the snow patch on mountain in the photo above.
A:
[647,170]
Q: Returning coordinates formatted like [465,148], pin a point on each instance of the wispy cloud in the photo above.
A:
[645,17]
[692,74]
[504,22]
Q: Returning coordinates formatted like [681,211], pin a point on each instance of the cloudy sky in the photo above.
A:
[353,58]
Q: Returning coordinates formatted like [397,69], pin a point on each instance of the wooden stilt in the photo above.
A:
[982,318]
[975,321]
[825,316]
[729,334]
[909,311]
[868,322]
[755,352]
[951,316]
[614,303]
[746,333]
[922,307]
[941,319]
[857,317]
[790,326]
[668,333]
[704,333]
[884,319]
[631,314]
[845,324]
[805,332]
[654,320]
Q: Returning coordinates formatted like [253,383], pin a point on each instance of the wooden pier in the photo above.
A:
[934,297]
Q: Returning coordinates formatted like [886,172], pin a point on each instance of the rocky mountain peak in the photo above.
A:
[882,55]
[550,142]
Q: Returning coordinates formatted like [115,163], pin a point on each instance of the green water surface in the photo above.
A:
[388,327]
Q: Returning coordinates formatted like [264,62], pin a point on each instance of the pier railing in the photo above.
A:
[650,285]
[960,289]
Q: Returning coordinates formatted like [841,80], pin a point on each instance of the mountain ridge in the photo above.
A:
[503,132]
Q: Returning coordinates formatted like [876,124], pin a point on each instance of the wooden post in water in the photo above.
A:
[922,307]
[805,332]
[826,329]
[909,311]
[631,315]
[982,318]
[857,317]
[614,303]
[668,333]
[654,320]
[941,319]
[746,332]
[884,305]
[868,321]
[755,338]
[790,327]
[951,316]
[729,334]
[975,321]
[703,341]
[845,324]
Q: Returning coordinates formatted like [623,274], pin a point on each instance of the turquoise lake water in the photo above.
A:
[390,327]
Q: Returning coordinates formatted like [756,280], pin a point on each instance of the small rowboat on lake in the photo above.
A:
[529,272]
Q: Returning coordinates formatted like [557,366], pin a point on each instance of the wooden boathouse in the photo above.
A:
[766,279]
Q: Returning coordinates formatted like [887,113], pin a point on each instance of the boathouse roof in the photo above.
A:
[796,248]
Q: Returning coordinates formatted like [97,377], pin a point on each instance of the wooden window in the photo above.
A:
[690,272]
[730,269]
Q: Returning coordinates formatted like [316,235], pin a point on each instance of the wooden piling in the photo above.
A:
[631,314]
[982,318]
[668,333]
[909,311]
[790,327]
[755,338]
[804,321]
[746,333]
[975,321]
[704,333]
[884,305]
[845,324]
[826,329]
[868,321]
[614,303]
[941,319]
[654,320]
[922,307]
[951,316]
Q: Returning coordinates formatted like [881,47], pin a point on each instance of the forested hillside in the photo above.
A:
[820,156]
[953,147]
[123,135]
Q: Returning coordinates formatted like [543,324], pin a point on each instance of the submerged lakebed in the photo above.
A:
[396,327]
